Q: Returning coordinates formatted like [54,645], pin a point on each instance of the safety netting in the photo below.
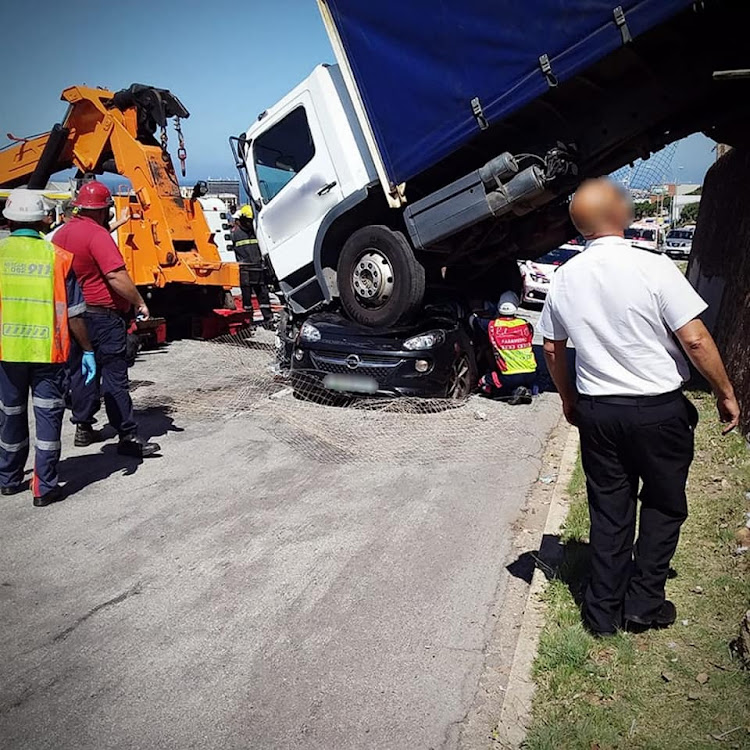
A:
[237,374]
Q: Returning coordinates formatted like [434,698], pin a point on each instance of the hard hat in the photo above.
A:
[25,206]
[246,212]
[93,195]
[508,304]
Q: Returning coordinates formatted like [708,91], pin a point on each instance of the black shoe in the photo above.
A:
[86,435]
[53,496]
[14,489]
[521,395]
[134,446]
[665,617]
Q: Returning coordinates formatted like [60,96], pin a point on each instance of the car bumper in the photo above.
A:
[678,252]
[394,373]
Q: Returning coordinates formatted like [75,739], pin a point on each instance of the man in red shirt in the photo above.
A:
[110,296]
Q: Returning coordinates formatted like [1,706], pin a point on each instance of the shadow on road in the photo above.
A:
[77,472]
[564,561]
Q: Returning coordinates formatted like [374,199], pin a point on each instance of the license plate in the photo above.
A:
[351,383]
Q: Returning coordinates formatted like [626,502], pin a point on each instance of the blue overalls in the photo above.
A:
[45,379]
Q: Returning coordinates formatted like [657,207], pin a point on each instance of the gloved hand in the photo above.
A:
[88,366]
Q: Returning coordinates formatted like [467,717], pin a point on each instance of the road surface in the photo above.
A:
[272,581]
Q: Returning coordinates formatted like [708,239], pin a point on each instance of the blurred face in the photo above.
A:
[623,211]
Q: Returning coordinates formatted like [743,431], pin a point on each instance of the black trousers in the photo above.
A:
[252,279]
[647,440]
[108,334]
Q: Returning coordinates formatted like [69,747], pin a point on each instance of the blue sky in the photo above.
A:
[226,61]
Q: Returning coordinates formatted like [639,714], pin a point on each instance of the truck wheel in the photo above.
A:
[379,279]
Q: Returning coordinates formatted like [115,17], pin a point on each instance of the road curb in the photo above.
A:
[516,711]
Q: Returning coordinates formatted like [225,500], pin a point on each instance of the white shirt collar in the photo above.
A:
[607,242]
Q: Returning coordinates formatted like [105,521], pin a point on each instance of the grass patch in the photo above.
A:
[650,690]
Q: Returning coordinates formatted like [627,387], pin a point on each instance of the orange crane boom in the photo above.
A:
[104,131]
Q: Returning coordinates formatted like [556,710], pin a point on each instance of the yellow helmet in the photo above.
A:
[246,212]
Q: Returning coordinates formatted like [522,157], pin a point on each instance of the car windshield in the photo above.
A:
[636,233]
[680,234]
[557,257]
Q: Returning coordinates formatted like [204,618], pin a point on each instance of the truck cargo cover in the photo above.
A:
[420,63]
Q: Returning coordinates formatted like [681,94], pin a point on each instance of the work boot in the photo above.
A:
[521,395]
[665,617]
[53,496]
[132,445]
[86,435]
[14,489]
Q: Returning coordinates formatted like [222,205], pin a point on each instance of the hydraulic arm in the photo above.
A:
[105,131]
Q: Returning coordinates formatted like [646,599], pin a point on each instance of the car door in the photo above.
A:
[295,182]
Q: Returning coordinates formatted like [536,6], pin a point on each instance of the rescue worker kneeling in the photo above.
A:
[511,339]
[41,304]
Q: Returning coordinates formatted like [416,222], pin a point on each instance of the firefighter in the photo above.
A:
[41,305]
[252,271]
[511,339]
[110,296]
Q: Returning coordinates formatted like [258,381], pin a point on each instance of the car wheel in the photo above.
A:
[379,278]
[462,378]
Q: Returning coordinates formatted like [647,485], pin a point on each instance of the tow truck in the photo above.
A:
[167,243]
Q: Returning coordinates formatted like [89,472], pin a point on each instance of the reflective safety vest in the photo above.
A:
[33,300]
[512,341]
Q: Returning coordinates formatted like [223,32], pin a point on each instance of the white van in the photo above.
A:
[646,236]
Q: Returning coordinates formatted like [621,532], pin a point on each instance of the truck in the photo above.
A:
[169,249]
[447,138]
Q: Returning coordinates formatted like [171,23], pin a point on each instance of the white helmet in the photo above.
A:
[25,206]
[508,304]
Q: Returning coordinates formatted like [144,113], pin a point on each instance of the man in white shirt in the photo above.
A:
[625,310]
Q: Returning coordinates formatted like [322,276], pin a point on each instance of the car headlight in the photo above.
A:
[309,333]
[428,340]
[540,278]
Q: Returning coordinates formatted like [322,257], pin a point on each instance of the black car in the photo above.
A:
[334,359]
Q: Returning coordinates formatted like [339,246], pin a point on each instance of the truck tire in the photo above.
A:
[380,280]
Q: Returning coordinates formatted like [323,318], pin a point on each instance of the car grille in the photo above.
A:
[375,366]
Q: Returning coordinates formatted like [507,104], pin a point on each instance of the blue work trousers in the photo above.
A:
[497,385]
[47,384]
[108,334]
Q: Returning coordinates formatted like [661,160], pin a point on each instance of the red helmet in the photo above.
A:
[93,195]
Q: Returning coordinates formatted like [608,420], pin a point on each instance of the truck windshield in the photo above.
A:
[281,153]
[680,234]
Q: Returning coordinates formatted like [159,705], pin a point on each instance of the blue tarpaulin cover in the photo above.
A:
[419,63]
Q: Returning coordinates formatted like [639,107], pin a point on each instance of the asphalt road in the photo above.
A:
[263,584]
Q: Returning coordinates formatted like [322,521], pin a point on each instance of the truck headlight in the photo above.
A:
[309,333]
[428,340]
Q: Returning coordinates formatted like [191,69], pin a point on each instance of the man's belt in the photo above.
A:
[101,310]
[663,398]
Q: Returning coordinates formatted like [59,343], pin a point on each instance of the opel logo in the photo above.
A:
[352,361]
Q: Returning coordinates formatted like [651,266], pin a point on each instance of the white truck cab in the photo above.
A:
[306,163]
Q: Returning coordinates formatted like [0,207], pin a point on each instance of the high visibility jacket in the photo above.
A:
[33,300]
[246,248]
[512,340]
